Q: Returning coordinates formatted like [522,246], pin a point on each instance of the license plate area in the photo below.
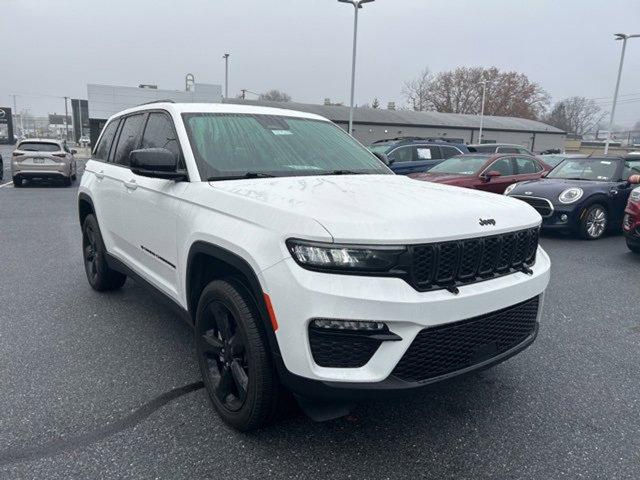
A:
[38,160]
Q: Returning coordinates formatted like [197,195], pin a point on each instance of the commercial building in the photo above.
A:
[371,124]
[107,100]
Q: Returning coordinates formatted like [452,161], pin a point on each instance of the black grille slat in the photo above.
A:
[441,265]
[452,347]
[542,206]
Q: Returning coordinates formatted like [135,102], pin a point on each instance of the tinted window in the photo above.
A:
[102,150]
[159,133]
[128,139]
[503,165]
[235,144]
[39,147]
[379,148]
[484,148]
[523,151]
[527,165]
[424,152]
[402,154]
[448,152]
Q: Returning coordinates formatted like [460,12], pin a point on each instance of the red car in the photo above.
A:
[489,172]
[631,222]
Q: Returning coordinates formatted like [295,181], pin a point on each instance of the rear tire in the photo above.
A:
[100,276]
[594,222]
[17,182]
[234,357]
[633,248]
[68,181]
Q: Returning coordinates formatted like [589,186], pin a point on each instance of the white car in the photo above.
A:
[303,263]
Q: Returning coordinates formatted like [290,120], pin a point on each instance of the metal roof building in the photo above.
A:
[371,124]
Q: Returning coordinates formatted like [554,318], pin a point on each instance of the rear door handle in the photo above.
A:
[99,175]
[131,184]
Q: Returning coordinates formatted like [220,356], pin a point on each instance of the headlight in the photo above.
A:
[327,256]
[635,195]
[571,195]
[509,188]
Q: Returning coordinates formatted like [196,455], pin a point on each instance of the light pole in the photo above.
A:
[226,75]
[357,4]
[624,37]
[484,90]
[66,122]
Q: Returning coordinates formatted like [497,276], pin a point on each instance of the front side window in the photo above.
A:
[39,147]
[379,148]
[159,133]
[227,144]
[102,150]
[129,138]
[463,165]
[402,154]
[502,165]
[585,169]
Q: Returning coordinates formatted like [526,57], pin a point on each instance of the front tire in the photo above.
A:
[100,276]
[234,357]
[633,248]
[17,182]
[594,222]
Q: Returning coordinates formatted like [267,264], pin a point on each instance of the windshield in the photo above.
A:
[585,169]
[228,144]
[460,165]
[552,160]
[38,147]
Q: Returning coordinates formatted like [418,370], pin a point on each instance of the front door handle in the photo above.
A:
[99,175]
[131,184]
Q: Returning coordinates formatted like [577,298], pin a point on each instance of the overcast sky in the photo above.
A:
[56,47]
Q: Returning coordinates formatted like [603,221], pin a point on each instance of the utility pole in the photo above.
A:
[484,90]
[244,93]
[226,75]
[66,123]
[15,113]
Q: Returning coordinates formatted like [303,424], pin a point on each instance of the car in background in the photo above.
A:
[1,168]
[41,159]
[414,154]
[631,220]
[554,159]
[498,148]
[488,172]
[585,196]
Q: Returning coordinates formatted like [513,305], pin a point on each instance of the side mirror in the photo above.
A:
[490,174]
[73,151]
[544,174]
[155,162]
[383,158]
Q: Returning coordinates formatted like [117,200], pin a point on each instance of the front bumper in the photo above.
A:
[299,295]
[563,218]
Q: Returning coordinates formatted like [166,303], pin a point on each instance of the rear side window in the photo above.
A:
[527,165]
[102,150]
[427,153]
[129,138]
[402,154]
[39,147]
[159,133]
[502,165]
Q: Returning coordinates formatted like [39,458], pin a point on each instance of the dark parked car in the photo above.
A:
[631,220]
[1,168]
[492,173]
[586,196]
[413,154]
[498,148]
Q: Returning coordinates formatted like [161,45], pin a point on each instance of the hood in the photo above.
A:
[550,188]
[383,208]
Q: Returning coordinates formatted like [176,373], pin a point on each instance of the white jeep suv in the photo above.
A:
[301,261]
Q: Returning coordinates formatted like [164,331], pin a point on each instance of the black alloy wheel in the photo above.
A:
[100,276]
[224,350]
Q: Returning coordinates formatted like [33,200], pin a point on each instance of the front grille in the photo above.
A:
[345,350]
[441,265]
[455,346]
[543,206]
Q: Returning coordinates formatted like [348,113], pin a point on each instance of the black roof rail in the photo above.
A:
[165,100]
[426,139]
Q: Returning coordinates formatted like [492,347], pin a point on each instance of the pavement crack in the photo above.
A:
[56,447]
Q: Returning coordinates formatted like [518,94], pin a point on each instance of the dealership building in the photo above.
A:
[369,124]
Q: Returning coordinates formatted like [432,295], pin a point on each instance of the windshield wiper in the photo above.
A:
[342,172]
[241,176]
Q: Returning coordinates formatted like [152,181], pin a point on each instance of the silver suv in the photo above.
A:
[43,159]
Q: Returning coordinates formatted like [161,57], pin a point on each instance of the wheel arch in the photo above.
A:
[207,262]
[85,207]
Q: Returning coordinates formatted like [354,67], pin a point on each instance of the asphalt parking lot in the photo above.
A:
[88,381]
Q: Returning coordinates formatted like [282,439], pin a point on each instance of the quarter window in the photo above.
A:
[129,138]
[102,150]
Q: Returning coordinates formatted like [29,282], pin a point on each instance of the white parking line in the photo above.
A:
[5,184]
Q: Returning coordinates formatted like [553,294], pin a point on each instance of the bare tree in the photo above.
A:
[376,103]
[575,115]
[460,91]
[275,96]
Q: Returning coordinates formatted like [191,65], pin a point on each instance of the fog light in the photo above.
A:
[564,217]
[332,324]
